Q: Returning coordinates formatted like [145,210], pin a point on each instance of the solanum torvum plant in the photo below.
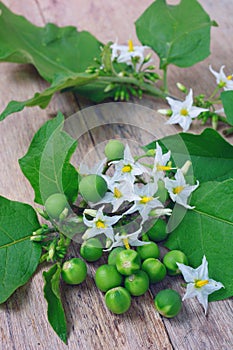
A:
[134,205]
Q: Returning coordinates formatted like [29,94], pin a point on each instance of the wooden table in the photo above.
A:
[23,321]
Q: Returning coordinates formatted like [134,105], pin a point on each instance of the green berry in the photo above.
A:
[113,254]
[171,258]
[91,249]
[107,277]
[138,283]
[55,204]
[93,188]
[158,232]
[168,303]
[155,269]
[118,300]
[128,262]
[150,250]
[114,150]
[74,271]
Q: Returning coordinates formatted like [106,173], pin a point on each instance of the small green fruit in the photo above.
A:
[150,250]
[168,303]
[55,204]
[138,283]
[171,258]
[158,231]
[93,188]
[128,262]
[118,300]
[91,249]
[113,254]
[74,271]
[155,269]
[114,150]
[107,277]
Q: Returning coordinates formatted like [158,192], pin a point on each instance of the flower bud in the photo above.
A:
[167,112]
[182,88]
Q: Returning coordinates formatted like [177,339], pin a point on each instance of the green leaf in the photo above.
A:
[42,99]
[227,101]
[52,50]
[208,230]
[60,55]
[19,257]
[56,314]
[46,164]
[210,154]
[179,34]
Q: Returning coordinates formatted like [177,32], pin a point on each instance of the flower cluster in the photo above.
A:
[132,192]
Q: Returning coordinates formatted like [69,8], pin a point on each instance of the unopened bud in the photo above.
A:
[186,167]
[215,122]
[182,88]
[147,58]
[42,213]
[167,112]
[64,214]
[151,152]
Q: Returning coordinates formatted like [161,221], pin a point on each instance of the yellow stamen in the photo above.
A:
[184,112]
[117,193]
[130,45]
[126,168]
[177,189]
[201,283]
[229,77]
[126,243]
[162,167]
[145,200]
[100,224]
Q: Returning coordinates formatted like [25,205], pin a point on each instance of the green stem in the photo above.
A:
[224,120]
[228,132]
[165,87]
[150,89]
[214,92]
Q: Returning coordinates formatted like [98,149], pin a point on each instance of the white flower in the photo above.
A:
[184,112]
[160,163]
[127,169]
[100,224]
[96,169]
[146,202]
[127,240]
[121,192]
[178,190]
[128,53]
[198,282]
[223,81]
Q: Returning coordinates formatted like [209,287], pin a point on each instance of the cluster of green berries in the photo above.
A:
[128,273]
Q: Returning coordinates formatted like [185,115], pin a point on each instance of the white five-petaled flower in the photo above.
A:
[179,190]
[183,112]
[160,163]
[198,282]
[127,169]
[120,193]
[223,81]
[147,201]
[128,53]
[100,224]
[127,240]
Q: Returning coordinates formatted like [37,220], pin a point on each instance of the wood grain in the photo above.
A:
[23,321]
